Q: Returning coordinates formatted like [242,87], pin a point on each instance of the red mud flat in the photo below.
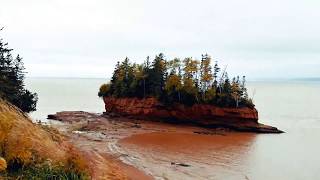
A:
[185,142]
[190,155]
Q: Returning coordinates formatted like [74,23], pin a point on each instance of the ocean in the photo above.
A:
[65,94]
[292,106]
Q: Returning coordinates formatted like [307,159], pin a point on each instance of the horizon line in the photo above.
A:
[248,79]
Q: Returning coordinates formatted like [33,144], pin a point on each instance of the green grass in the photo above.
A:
[44,172]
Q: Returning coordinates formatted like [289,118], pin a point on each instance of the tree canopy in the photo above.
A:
[188,81]
[12,76]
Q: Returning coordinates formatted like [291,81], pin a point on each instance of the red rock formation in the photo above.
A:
[240,119]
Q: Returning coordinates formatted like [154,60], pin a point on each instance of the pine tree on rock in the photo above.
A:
[187,82]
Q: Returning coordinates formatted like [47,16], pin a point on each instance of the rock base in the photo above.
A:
[238,119]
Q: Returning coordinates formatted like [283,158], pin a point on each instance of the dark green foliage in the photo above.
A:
[156,76]
[188,82]
[12,81]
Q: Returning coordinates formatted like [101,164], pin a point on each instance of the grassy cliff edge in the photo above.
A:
[30,151]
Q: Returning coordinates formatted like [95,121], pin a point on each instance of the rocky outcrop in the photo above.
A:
[239,119]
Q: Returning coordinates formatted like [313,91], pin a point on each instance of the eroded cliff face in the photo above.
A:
[240,119]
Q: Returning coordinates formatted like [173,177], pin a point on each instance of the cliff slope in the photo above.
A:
[32,151]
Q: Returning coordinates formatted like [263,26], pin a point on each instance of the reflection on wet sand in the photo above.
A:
[185,155]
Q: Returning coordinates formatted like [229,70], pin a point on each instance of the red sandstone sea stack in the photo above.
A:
[239,119]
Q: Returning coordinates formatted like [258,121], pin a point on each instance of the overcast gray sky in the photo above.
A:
[85,38]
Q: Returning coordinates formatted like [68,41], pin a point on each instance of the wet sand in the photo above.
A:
[97,140]
[177,155]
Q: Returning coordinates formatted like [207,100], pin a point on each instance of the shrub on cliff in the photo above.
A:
[12,80]
[104,90]
[189,81]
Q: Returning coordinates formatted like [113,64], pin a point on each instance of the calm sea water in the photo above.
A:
[292,106]
[65,94]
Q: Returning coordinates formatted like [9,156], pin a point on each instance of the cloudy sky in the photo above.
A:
[85,38]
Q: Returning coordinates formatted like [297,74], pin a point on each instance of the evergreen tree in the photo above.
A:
[226,88]
[12,81]
[157,75]
[117,81]
[216,70]
[243,88]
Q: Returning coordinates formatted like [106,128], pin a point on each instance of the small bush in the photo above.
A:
[104,90]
